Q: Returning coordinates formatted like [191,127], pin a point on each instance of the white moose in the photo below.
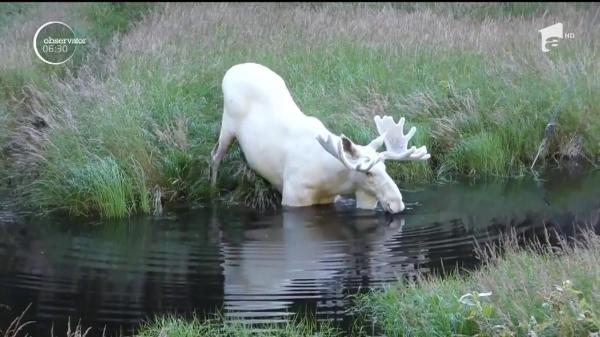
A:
[297,154]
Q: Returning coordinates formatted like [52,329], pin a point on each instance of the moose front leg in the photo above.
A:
[299,195]
[226,137]
[293,195]
[365,200]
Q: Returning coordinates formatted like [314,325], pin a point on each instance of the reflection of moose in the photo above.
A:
[303,253]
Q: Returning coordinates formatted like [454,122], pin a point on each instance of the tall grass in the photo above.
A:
[99,184]
[110,18]
[16,327]
[536,291]
[177,327]
[472,77]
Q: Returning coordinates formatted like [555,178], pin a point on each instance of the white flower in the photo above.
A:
[565,285]
[468,298]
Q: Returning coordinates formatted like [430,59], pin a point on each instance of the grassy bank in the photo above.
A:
[527,292]
[534,292]
[128,125]
[175,327]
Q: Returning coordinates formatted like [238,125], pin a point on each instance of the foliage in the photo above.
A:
[152,106]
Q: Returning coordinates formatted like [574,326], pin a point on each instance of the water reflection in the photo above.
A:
[263,266]
[301,254]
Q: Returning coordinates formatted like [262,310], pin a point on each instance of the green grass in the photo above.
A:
[173,326]
[480,106]
[11,11]
[110,18]
[94,185]
[97,22]
[480,11]
[543,294]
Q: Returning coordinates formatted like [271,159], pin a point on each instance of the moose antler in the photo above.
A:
[336,149]
[390,133]
[396,142]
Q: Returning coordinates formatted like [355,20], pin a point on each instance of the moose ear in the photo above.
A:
[349,148]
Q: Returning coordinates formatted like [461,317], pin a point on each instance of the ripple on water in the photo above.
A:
[261,267]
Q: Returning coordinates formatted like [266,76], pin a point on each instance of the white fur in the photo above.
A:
[280,143]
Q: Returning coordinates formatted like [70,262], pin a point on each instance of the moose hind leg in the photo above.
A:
[217,154]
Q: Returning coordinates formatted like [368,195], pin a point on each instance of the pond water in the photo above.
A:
[264,266]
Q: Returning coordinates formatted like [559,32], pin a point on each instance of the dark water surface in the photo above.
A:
[261,267]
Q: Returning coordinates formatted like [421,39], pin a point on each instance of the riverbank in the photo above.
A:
[535,291]
[127,125]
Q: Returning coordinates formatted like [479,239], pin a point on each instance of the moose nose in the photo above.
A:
[395,207]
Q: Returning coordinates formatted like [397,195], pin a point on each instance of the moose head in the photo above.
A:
[366,164]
